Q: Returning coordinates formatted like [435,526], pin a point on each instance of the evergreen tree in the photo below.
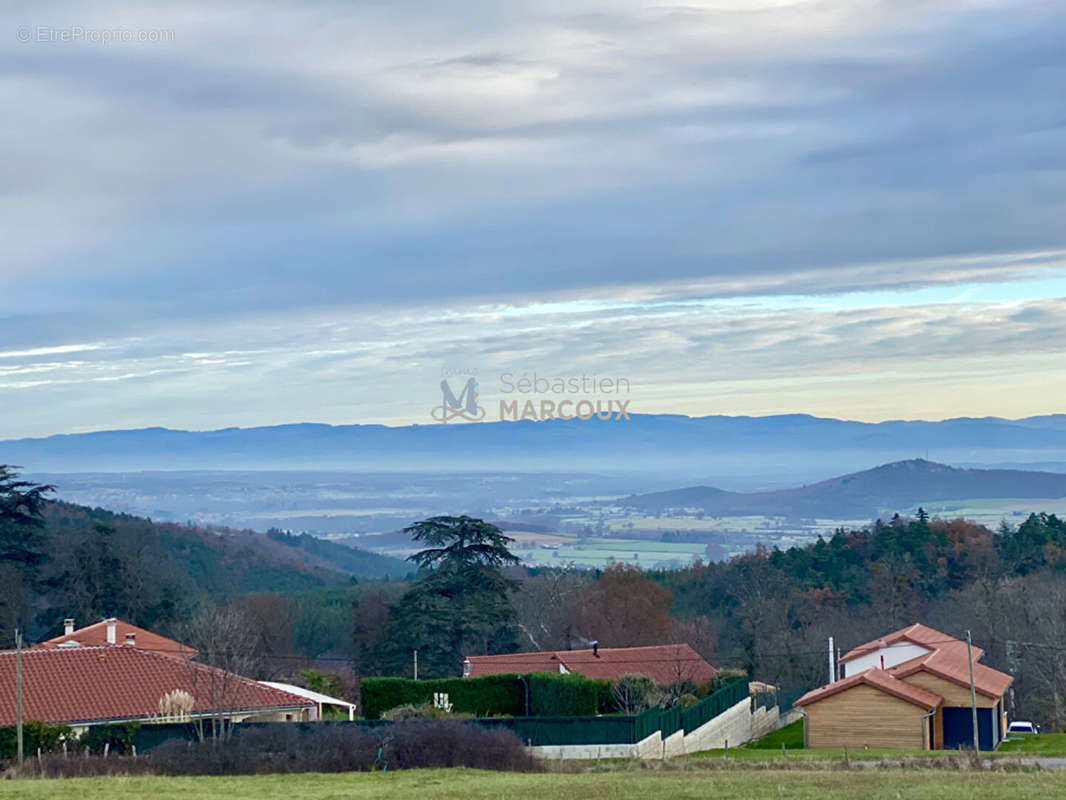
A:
[461,604]
[22,548]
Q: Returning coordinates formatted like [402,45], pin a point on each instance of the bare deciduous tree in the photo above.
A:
[546,608]
[227,639]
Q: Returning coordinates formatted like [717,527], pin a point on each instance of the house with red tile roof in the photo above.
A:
[909,689]
[665,664]
[117,631]
[92,684]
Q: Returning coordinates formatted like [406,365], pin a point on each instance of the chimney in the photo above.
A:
[111,630]
[68,626]
[131,639]
[595,649]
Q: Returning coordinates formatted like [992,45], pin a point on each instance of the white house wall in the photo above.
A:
[893,654]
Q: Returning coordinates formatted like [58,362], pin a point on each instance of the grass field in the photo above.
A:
[1046,744]
[638,784]
[791,736]
[600,551]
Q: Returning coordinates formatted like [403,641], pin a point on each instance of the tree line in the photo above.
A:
[768,612]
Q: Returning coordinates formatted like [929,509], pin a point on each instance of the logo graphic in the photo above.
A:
[462,407]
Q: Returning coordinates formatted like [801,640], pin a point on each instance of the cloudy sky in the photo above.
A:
[218,214]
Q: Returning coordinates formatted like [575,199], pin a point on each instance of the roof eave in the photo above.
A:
[196,715]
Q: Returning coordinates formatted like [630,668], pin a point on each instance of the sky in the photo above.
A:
[238,214]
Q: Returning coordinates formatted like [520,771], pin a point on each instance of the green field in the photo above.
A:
[636,783]
[599,552]
[1045,744]
[990,511]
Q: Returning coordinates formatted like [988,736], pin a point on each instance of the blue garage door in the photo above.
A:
[958,728]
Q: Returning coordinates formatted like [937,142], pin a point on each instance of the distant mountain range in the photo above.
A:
[899,486]
[800,446]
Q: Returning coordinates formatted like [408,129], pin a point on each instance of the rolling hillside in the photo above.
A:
[898,486]
[228,562]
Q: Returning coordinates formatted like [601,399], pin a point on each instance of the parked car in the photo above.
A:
[1022,727]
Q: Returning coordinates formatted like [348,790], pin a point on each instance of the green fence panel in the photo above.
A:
[786,700]
[646,723]
[670,721]
[713,705]
[541,731]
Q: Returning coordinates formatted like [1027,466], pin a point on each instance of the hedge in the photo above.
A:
[555,695]
[550,695]
[485,696]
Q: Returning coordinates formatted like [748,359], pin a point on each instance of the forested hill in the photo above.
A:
[99,563]
[900,486]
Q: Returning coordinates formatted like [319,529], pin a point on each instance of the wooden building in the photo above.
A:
[908,690]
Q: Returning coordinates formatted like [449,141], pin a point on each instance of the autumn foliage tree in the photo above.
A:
[626,609]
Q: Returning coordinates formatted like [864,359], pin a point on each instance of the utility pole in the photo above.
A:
[18,693]
[416,663]
[973,690]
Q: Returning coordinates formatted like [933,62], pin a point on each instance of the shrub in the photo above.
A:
[688,700]
[272,749]
[446,743]
[423,711]
[34,735]
[116,739]
[287,748]
[636,693]
[345,748]
[722,677]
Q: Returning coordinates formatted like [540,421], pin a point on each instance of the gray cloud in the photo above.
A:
[287,161]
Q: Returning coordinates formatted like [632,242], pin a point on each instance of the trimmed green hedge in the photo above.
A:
[550,695]
[555,695]
[486,696]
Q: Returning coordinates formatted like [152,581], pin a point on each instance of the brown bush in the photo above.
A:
[289,749]
[447,743]
[271,749]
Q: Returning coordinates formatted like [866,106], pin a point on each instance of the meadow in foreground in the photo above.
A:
[872,784]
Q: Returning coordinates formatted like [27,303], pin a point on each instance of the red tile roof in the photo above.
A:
[96,634]
[880,680]
[947,659]
[120,682]
[950,662]
[665,664]
[546,661]
[917,634]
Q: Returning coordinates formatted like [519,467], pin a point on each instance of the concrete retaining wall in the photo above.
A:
[651,747]
[734,726]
